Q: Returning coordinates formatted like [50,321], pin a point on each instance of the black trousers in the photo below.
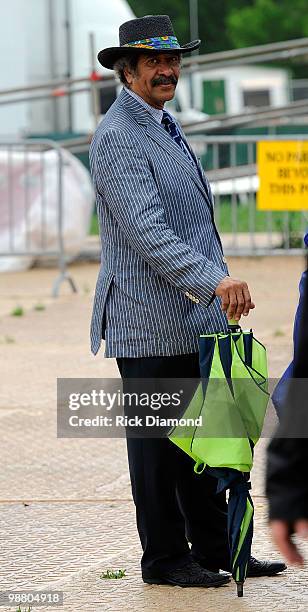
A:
[174,505]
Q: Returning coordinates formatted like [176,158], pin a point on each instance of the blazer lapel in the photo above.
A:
[157,133]
[198,165]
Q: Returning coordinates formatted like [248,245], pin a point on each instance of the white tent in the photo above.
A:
[29,205]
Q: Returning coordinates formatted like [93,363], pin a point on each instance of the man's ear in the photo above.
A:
[129,76]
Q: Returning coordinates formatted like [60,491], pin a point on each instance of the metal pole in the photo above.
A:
[69,60]
[274,51]
[52,59]
[95,100]
[43,96]
[194,21]
[61,247]
[283,50]
[54,84]
[194,34]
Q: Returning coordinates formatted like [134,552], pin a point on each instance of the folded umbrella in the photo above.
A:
[231,400]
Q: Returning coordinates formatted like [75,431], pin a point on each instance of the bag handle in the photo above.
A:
[234,325]
[199,467]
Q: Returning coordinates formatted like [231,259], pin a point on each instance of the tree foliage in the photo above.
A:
[268,21]
[213,29]
[225,24]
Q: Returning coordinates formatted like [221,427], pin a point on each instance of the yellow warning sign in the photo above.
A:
[283,175]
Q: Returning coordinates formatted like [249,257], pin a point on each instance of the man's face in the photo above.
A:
[156,77]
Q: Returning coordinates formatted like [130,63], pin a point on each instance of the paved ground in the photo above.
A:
[66,513]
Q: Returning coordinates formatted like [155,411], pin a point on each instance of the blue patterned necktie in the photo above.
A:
[172,129]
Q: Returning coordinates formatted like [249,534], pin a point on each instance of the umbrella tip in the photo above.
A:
[240,589]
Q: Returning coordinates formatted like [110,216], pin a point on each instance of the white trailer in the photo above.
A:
[233,89]
[50,39]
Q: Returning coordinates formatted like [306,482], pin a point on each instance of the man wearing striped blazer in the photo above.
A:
[158,289]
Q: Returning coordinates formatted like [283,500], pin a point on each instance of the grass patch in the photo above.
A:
[278,333]
[111,575]
[94,225]
[9,340]
[18,311]
[39,307]
[263,220]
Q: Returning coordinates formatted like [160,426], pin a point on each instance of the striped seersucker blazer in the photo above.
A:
[161,254]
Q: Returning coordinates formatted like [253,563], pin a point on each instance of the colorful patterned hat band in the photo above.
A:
[158,42]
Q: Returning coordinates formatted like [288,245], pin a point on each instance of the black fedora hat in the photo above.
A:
[149,33]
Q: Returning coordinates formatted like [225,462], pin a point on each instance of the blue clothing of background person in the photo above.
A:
[279,394]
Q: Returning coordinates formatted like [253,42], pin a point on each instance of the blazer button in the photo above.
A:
[224,260]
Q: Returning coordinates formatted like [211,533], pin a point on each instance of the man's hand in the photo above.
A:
[281,534]
[235,298]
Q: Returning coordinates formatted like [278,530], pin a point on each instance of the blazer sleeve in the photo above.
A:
[123,177]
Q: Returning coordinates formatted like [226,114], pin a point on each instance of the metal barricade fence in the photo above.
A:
[230,165]
[17,221]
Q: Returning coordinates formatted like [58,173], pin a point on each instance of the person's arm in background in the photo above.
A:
[287,492]
[287,477]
